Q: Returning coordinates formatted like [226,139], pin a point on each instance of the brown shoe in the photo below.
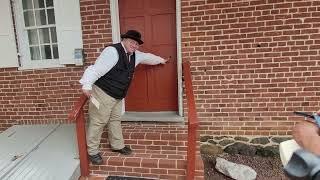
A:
[125,151]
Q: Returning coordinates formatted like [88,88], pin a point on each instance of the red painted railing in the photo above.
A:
[192,122]
[77,114]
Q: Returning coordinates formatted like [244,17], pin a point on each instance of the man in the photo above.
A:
[307,134]
[106,83]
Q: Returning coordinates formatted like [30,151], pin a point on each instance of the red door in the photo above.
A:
[154,88]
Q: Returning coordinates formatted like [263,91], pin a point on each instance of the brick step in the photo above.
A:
[158,152]
[141,153]
[142,163]
[157,144]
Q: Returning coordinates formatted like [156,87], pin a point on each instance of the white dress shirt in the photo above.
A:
[108,59]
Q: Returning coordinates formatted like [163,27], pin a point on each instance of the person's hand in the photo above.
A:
[87,92]
[318,112]
[165,60]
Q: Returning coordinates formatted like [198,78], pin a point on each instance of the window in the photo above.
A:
[41,29]
[48,32]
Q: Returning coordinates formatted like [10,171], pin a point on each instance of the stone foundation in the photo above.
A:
[249,145]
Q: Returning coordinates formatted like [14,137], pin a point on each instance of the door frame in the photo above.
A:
[115,27]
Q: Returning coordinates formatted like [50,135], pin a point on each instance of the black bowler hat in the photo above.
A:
[133,34]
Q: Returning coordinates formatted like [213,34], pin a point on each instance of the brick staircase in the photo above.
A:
[160,152]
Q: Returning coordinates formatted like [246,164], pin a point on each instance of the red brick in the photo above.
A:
[142,170]
[169,164]
[116,161]
[133,162]
[159,171]
[125,169]
[152,163]
[152,136]
[168,177]
[132,174]
[137,135]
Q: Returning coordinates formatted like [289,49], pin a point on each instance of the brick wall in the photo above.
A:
[36,96]
[47,95]
[253,61]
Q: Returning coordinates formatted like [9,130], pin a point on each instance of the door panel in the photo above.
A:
[154,88]
[167,6]
[138,85]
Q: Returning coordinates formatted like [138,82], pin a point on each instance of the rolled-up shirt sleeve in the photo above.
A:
[148,58]
[106,60]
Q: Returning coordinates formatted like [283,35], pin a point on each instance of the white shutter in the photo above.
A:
[69,34]
[8,49]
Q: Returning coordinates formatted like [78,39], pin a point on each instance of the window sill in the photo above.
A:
[30,67]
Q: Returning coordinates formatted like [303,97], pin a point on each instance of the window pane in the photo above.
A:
[28,18]
[44,35]
[51,19]
[46,52]
[41,17]
[35,53]
[49,3]
[55,51]
[26,4]
[33,37]
[53,35]
[38,3]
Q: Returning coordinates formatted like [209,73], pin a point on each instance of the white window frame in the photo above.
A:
[23,44]
[69,36]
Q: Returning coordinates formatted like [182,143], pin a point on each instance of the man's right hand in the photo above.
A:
[87,92]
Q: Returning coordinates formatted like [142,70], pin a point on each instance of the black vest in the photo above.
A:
[116,82]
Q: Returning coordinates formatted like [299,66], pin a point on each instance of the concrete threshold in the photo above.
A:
[163,116]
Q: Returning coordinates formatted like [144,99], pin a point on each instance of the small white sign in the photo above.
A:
[78,56]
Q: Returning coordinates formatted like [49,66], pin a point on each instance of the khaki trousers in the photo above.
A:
[108,113]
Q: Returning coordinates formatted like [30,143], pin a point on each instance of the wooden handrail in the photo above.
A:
[193,122]
[77,107]
[77,115]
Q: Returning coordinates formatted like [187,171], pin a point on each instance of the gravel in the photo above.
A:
[267,168]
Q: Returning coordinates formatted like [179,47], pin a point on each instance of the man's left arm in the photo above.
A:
[149,58]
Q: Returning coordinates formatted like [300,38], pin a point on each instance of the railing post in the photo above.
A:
[191,154]
[77,115]
[82,144]
[193,122]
